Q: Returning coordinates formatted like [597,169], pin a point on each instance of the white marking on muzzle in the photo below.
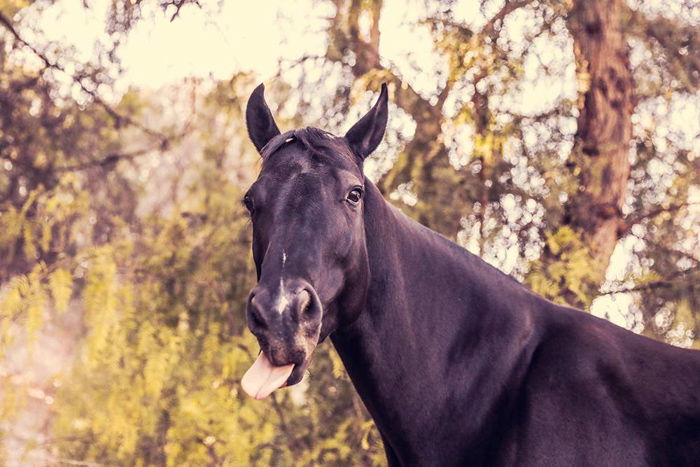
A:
[282,299]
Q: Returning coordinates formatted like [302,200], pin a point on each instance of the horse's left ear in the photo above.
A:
[367,133]
[261,126]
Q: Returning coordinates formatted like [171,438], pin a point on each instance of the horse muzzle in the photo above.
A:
[286,320]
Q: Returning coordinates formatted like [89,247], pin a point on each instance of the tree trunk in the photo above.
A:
[600,157]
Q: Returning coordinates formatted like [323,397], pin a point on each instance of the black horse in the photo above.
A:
[458,363]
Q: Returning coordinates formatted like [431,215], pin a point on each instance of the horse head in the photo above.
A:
[309,245]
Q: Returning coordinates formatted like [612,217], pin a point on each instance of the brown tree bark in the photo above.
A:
[600,157]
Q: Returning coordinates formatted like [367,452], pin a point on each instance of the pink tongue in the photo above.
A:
[262,378]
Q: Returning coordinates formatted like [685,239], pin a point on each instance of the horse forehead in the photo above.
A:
[297,156]
[312,183]
[294,164]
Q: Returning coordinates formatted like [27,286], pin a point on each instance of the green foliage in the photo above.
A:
[573,277]
[156,381]
[170,340]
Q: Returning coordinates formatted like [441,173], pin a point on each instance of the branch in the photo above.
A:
[345,33]
[640,288]
[497,19]
[110,160]
[680,43]
[63,460]
[660,284]
[669,249]
[118,118]
[178,4]
[285,65]
[626,224]
[492,30]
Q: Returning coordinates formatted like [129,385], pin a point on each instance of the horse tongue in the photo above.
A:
[263,377]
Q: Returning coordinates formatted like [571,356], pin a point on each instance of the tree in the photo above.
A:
[578,207]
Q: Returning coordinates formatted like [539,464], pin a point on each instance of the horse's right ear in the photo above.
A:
[261,126]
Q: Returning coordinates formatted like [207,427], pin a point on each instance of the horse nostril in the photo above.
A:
[254,316]
[256,320]
[306,304]
[304,301]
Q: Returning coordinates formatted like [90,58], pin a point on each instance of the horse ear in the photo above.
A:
[261,126]
[367,133]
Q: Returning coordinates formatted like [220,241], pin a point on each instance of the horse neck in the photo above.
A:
[423,348]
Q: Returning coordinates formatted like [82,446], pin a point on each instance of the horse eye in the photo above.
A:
[248,202]
[354,196]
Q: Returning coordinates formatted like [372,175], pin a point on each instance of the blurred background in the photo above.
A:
[557,139]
